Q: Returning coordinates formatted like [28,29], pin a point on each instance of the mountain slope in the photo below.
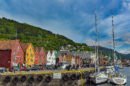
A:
[10,29]
[109,52]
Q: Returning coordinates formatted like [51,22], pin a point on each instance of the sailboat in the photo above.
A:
[117,78]
[120,63]
[98,77]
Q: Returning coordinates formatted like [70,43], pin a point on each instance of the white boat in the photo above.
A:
[98,77]
[110,69]
[117,78]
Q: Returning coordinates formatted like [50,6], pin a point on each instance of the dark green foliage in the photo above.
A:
[39,37]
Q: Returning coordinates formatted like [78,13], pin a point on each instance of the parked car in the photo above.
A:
[34,68]
[64,65]
[15,68]
[50,67]
[2,69]
[23,68]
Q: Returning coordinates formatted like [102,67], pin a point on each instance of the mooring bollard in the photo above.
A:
[78,76]
[48,79]
[65,77]
[73,77]
[31,79]
[23,78]
[7,79]
[15,80]
[39,78]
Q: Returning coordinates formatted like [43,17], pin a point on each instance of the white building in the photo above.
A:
[51,57]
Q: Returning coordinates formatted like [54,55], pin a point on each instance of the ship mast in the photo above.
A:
[113,36]
[96,47]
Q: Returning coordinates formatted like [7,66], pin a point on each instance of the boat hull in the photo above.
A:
[99,78]
[118,80]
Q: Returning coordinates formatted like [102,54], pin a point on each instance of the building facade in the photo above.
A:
[29,54]
[51,57]
[40,56]
[11,53]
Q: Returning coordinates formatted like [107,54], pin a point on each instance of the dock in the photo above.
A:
[46,77]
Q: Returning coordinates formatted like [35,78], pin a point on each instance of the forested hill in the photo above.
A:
[10,29]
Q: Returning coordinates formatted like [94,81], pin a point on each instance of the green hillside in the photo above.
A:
[10,29]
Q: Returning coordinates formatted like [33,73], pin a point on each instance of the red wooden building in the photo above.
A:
[11,53]
[40,56]
[5,58]
[36,62]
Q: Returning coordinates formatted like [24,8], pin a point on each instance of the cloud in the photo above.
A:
[126,4]
[74,18]
[124,51]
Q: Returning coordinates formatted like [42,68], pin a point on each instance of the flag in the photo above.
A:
[116,68]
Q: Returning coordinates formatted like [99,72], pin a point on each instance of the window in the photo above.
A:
[27,54]
[31,55]
[31,60]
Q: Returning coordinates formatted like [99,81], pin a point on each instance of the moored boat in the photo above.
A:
[98,77]
[116,78]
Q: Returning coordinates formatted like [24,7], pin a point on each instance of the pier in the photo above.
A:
[46,78]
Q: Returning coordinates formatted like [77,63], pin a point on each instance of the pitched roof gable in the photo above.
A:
[7,44]
[38,49]
[25,46]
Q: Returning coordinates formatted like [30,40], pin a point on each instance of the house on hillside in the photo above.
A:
[11,54]
[29,54]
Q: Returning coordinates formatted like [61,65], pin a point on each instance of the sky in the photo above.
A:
[75,19]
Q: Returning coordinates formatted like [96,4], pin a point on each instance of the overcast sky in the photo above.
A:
[75,18]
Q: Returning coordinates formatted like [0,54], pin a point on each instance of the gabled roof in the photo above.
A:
[38,49]
[7,44]
[24,46]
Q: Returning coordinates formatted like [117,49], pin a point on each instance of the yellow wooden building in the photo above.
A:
[29,54]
